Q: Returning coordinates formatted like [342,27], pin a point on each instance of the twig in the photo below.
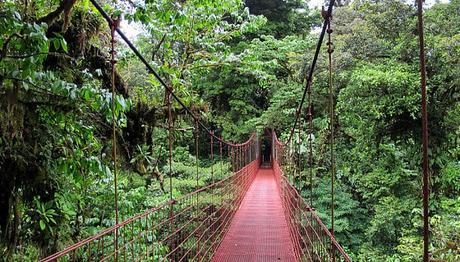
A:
[5,44]
[157,48]
[38,54]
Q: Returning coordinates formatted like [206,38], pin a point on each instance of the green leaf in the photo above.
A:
[78,178]
[55,43]
[42,225]
[108,172]
[52,220]
[64,45]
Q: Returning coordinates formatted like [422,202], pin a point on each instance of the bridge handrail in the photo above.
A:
[319,221]
[244,170]
[278,145]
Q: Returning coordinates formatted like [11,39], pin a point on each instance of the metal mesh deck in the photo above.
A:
[258,231]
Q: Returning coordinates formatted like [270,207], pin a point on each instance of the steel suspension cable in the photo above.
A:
[221,166]
[330,50]
[197,130]
[299,133]
[310,152]
[212,157]
[309,78]
[197,163]
[426,186]
[111,22]
[114,131]
[221,160]
[310,143]
[197,133]
[170,155]
[291,159]
[170,142]
[212,166]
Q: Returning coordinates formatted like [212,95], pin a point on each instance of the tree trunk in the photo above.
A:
[14,219]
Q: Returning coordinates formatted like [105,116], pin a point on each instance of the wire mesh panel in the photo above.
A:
[189,228]
[311,238]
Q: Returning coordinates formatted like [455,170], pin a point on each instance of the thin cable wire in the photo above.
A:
[299,141]
[197,131]
[330,50]
[310,144]
[212,156]
[157,76]
[310,153]
[170,142]
[311,71]
[221,160]
[426,186]
[114,134]
[197,154]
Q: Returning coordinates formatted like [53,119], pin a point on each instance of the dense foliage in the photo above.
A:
[241,66]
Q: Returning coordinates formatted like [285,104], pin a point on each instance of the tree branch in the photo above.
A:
[65,6]
[5,44]
[40,89]
[38,54]
[157,48]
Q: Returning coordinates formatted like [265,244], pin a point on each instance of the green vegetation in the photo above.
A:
[240,66]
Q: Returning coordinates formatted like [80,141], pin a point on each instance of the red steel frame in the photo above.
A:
[311,239]
[200,221]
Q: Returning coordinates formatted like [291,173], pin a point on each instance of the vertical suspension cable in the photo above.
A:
[235,158]
[238,158]
[309,77]
[197,134]
[232,158]
[221,170]
[212,182]
[310,145]
[170,141]
[212,175]
[114,131]
[221,159]
[426,186]
[330,50]
[243,171]
[310,152]
[212,157]
[197,130]
[241,158]
[170,127]
[246,157]
[291,159]
[299,133]
[246,160]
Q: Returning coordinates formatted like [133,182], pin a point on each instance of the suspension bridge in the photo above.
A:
[254,214]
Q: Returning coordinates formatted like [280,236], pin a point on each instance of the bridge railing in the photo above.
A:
[189,228]
[311,238]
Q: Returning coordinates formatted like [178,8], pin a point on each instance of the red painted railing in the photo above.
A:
[311,238]
[189,228]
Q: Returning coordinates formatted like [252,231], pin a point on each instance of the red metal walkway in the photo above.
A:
[258,231]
